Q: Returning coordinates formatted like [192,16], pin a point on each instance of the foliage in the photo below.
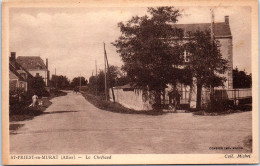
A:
[241,79]
[77,80]
[61,82]
[38,87]
[206,62]
[114,78]
[151,57]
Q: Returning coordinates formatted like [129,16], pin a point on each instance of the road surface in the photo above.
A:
[73,125]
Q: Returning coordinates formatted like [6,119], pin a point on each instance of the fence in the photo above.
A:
[235,95]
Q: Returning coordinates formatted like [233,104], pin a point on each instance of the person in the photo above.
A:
[75,90]
[34,100]
[174,98]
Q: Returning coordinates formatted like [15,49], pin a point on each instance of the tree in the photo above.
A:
[206,62]
[38,87]
[241,79]
[77,81]
[149,48]
[60,81]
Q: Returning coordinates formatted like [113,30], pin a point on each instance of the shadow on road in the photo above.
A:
[58,112]
[14,127]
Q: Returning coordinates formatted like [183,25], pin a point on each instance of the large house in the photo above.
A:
[35,66]
[222,33]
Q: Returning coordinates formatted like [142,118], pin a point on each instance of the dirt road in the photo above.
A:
[73,125]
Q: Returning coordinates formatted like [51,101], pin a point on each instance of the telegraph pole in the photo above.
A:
[55,79]
[112,90]
[96,77]
[79,81]
[105,71]
[212,35]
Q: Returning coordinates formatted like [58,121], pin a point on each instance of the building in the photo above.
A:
[20,81]
[18,76]
[221,32]
[16,83]
[35,66]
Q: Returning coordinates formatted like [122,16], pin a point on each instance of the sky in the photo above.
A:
[72,38]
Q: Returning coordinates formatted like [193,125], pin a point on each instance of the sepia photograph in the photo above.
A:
[88,82]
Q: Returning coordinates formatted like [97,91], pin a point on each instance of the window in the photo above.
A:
[186,56]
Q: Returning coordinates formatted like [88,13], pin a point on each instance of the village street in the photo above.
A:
[73,125]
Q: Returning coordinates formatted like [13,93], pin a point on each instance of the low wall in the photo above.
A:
[133,99]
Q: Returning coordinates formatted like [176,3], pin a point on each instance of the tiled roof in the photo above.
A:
[221,29]
[31,62]
[17,69]
[12,76]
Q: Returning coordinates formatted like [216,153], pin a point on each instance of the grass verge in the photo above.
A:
[238,109]
[102,104]
[21,112]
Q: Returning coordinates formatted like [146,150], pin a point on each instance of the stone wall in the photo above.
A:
[134,99]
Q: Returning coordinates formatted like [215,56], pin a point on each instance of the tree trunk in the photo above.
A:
[164,97]
[199,89]
[190,94]
[157,99]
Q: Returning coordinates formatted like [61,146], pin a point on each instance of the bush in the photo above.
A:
[219,106]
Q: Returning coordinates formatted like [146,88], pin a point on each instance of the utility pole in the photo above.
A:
[96,77]
[212,35]
[105,71]
[55,79]
[79,81]
[112,90]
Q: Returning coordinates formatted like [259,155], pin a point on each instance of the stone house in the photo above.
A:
[222,33]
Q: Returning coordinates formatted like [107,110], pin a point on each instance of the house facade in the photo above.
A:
[222,33]
[35,66]
[18,76]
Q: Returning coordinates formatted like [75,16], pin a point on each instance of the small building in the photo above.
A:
[18,76]
[35,66]
[17,83]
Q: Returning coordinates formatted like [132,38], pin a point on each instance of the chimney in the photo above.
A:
[48,72]
[13,56]
[227,20]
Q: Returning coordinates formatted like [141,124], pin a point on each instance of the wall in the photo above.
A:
[226,50]
[132,99]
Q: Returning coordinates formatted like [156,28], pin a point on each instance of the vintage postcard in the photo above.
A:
[130,82]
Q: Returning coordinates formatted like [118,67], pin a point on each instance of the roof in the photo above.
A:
[17,69]
[221,29]
[12,76]
[31,62]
